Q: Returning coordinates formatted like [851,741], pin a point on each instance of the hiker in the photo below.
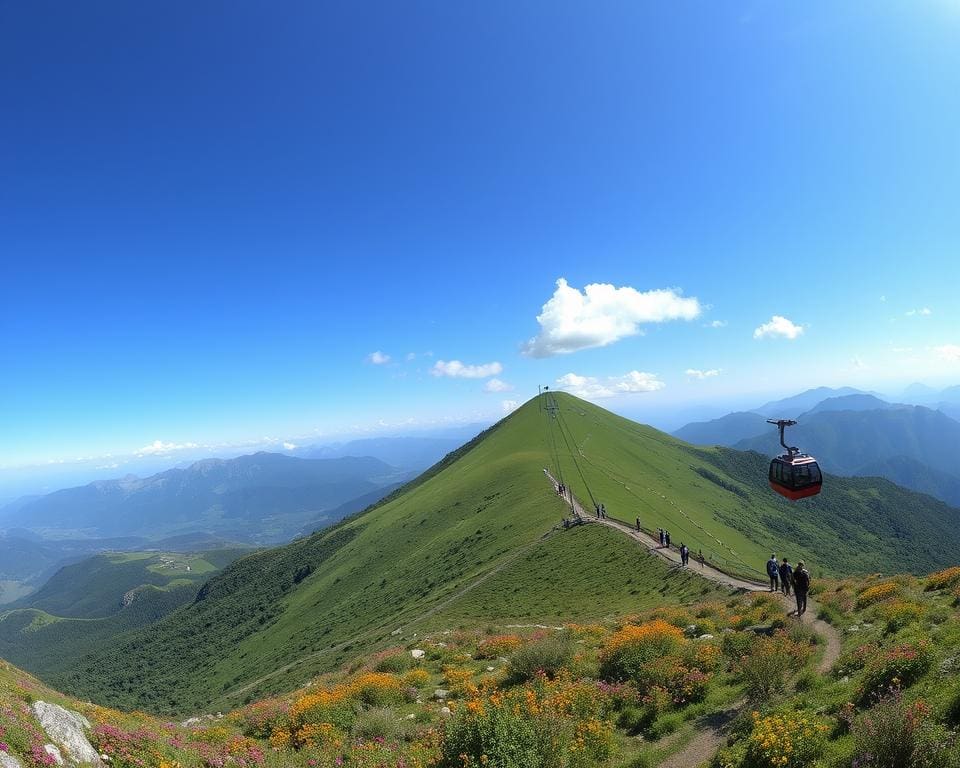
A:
[786,576]
[660,534]
[700,557]
[773,571]
[603,511]
[801,585]
[666,538]
[683,554]
[638,523]
[597,506]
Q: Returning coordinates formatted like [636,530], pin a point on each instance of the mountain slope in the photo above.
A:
[791,407]
[262,498]
[727,430]
[469,537]
[849,403]
[85,605]
[407,453]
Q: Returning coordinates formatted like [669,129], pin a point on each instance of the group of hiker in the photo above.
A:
[785,578]
[601,511]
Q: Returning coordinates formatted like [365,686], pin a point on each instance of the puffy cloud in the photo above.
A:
[922,312]
[289,446]
[160,448]
[495,385]
[457,370]
[509,406]
[948,352]
[378,358]
[716,324]
[694,373]
[593,388]
[602,314]
[778,327]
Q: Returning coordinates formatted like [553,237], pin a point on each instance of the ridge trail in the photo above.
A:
[710,732]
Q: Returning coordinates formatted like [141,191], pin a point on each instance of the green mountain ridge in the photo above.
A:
[476,538]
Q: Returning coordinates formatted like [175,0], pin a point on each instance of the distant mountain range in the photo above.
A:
[261,498]
[407,453]
[853,433]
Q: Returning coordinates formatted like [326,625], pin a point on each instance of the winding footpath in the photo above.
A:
[711,730]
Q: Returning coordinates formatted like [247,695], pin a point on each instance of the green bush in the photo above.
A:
[377,723]
[547,655]
[736,645]
[398,663]
[764,671]
[895,733]
[897,667]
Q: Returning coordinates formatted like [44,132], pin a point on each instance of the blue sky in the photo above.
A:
[213,214]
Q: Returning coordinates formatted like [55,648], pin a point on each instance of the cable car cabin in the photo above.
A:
[795,477]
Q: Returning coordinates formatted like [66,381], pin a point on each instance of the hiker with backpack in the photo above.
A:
[786,576]
[801,585]
[773,571]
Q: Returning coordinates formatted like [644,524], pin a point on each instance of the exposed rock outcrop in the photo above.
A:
[68,730]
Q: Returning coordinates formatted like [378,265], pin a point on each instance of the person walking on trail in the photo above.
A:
[700,557]
[666,539]
[638,523]
[801,585]
[786,576]
[684,554]
[597,507]
[773,571]
[660,535]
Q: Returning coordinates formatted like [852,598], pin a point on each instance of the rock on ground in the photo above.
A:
[68,730]
[9,761]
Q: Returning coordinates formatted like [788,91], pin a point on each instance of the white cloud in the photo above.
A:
[289,446]
[411,356]
[922,312]
[694,373]
[495,385]
[858,363]
[160,448]
[883,297]
[948,352]
[378,358]
[602,314]
[509,406]
[457,370]
[593,388]
[778,327]
[716,324]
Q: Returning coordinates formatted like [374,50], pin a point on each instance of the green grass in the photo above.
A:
[603,573]
[276,618]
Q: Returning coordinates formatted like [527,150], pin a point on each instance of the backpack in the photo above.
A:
[801,581]
[772,568]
